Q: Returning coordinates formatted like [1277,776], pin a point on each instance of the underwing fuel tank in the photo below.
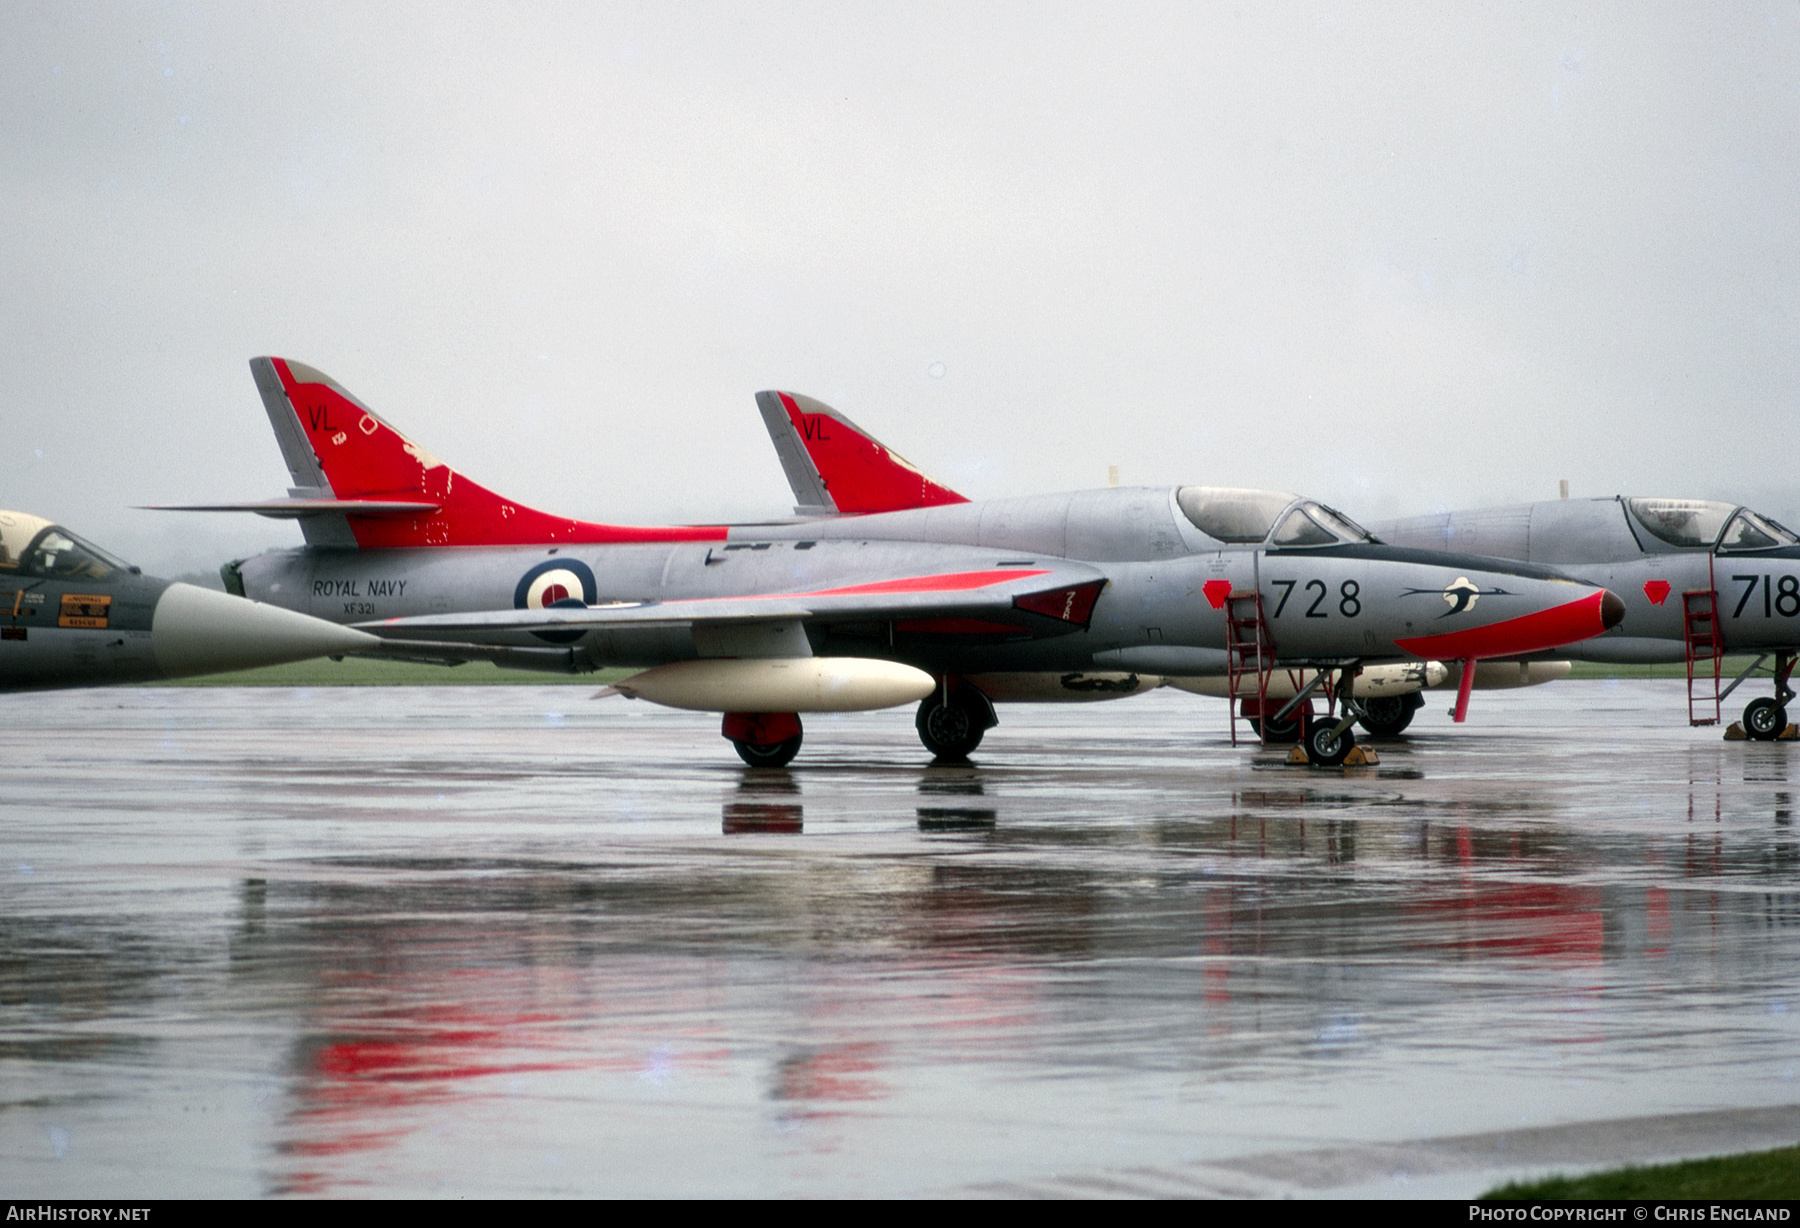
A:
[1372,681]
[1508,675]
[763,684]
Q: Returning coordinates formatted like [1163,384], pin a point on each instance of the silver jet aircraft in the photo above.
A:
[1699,579]
[763,622]
[73,615]
[836,468]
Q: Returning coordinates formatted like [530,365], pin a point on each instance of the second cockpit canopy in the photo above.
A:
[1252,517]
[1699,524]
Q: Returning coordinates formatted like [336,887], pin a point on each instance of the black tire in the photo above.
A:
[770,755]
[1764,719]
[1324,750]
[953,730]
[1284,731]
[1388,716]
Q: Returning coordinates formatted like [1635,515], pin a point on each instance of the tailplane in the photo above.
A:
[837,468]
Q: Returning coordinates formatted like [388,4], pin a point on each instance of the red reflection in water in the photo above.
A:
[1528,920]
[1560,922]
[839,1073]
[438,1056]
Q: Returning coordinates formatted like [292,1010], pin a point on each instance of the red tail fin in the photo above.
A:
[361,457]
[836,466]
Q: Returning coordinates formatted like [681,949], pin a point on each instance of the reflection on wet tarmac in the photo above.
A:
[945,791]
[491,941]
[767,801]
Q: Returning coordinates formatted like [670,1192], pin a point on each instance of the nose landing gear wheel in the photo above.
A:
[1324,749]
[1764,719]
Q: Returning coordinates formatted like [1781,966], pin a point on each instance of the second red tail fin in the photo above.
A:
[836,467]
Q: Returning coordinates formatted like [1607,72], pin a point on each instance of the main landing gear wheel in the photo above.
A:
[1764,719]
[769,755]
[1260,715]
[1389,715]
[763,739]
[1285,730]
[1325,749]
[952,730]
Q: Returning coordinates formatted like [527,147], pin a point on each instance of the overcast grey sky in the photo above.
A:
[1398,257]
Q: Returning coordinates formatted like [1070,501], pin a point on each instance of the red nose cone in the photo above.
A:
[1575,620]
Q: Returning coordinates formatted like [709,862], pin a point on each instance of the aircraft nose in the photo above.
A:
[1612,610]
[198,631]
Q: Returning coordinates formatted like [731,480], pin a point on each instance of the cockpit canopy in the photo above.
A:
[32,546]
[1251,517]
[1700,524]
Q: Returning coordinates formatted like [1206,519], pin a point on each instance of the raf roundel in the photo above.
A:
[556,582]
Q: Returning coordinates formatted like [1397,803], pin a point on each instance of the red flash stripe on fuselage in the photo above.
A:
[1552,628]
[950,582]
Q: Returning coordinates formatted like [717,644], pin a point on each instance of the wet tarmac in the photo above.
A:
[516,942]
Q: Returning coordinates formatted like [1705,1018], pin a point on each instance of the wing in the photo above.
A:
[989,606]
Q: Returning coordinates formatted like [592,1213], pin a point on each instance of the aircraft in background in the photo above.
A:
[1699,579]
[763,622]
[73,615]
[836,468]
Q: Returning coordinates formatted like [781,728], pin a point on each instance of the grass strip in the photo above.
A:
[1757,1175]
[1729,668]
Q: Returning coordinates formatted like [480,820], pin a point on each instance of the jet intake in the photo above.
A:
[796,684]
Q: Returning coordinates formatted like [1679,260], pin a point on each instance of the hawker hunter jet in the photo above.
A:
[836,468]
[1699,579]
[73,615]
[763,622]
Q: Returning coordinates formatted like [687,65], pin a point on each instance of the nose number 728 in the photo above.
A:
[1349,603]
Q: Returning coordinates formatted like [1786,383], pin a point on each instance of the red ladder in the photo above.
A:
[1248,650]
[1705,649]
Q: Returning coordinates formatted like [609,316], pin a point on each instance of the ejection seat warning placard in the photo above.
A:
[83,610]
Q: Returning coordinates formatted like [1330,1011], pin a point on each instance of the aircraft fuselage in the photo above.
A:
[1650,553]
[1162,608]
[61,632]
